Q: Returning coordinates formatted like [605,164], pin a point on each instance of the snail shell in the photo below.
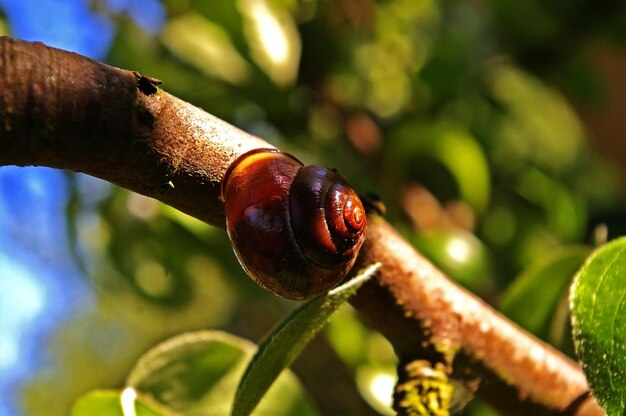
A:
[295,229]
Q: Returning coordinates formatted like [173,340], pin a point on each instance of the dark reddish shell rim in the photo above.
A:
[239,158]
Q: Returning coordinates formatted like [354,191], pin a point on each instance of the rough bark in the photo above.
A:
[423,313]
[61,110]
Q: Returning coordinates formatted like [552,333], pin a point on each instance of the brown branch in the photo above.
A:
[422,312]
[62,110]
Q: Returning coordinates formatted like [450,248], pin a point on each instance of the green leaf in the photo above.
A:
[197,374]
[534,295]
[598,302]
[112,403]
[288,339]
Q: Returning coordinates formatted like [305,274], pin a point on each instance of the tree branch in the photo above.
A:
[61,110]
[425,314]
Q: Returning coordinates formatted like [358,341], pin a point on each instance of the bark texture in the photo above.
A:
[423,313]
[61,110]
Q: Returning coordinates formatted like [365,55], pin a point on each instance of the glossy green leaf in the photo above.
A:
[113,403]
[197,374]
[598,302]
[534,295]
[289,337]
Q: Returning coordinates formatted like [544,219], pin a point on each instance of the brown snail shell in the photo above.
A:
[295,229]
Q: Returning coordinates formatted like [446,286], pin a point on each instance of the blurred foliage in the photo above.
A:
[197,373]
[109,403]
[461,115]
[537,299]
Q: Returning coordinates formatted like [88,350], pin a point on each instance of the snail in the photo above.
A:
[295,229]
